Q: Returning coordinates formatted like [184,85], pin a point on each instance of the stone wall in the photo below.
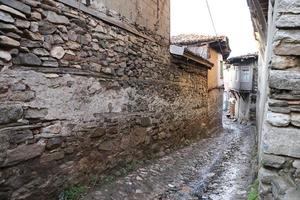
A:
[82,93]
[279,172]
[215,109]
[152,14]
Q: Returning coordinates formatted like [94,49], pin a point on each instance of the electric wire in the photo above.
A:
[213,25]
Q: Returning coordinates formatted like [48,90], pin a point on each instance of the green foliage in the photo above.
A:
[133,165]
[74,193]
[109,179]
[94,180]
[253,194]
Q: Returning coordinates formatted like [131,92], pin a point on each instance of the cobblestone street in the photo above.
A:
[219,167]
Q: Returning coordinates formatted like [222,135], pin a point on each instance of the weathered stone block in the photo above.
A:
[108,145]
[286,95]
[45,158]
[288,6]
[108,70]
[281,141]
[23,153]
[14,36]
[285,62]
[57,39]
[57,52]
[31,44]
[18,87]
[34,36]
[145,121]
[40,52]
[265,175]
[46,28]
[27,59]
[34,27]
[277,103]
[278,119]
[296,164]
[280,185]
[284,80]
[10,113]
[22,23]
[12,11]
[36,15]
[17,5]
[5,17]
[19,136]
[53,143]
[287,42]
[9,27]
[4,143]
[100,29]
[50,64]
[272,160]
[292,194]
[55,18]
[288,21]
[99,132]
[52,129]
[265,189]
[138,135]
[295,119]
[284,110]
[23,96]
[4,55]
[35,113]
[8,42]
[295,108]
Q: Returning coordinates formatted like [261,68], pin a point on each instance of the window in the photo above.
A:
[245,75]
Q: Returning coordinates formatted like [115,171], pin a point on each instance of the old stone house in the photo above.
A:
[216,49]
[87,87]
[277,28]
[240,83]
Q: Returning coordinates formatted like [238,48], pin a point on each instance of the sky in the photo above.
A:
[231,18]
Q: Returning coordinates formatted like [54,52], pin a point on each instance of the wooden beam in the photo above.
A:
[260,13]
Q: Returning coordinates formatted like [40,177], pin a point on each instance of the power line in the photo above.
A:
[213,24]
[211,18]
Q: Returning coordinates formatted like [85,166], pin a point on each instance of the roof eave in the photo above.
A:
[184,52]
[198,59]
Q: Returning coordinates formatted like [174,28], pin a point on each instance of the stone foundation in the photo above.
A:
[81,94]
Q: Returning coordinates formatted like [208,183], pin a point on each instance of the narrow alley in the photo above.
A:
[220,167]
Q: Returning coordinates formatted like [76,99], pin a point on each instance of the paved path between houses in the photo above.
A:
[216,168]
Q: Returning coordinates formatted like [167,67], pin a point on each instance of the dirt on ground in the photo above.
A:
[221,167]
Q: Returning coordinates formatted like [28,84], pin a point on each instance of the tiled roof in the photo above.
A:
[243,58]
[186,39]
